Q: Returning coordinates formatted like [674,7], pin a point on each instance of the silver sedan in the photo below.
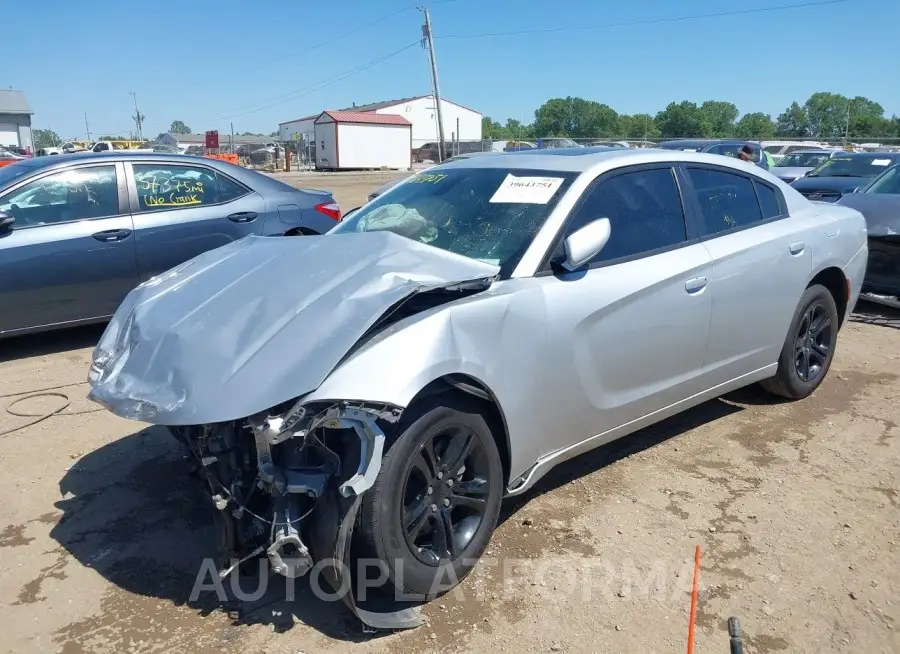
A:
[459,336]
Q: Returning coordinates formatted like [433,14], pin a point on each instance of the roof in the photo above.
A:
[255,180]
[14,102]
[297,120]
[579,160]
[375,106]
[364,117]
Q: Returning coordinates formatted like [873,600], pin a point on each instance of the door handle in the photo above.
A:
[696,284]
[798,247]
[242,217]
[112,235]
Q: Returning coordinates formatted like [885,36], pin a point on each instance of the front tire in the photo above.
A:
[434,505]
[809,347]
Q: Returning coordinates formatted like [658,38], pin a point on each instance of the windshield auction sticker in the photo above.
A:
[527,190]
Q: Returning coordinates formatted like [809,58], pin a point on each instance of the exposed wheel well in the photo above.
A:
[834,280]
[474,388]
[300,231]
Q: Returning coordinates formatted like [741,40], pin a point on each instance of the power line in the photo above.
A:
[330,42]
[298,93]
[652,21]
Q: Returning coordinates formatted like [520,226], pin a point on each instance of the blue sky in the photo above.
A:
[211,62]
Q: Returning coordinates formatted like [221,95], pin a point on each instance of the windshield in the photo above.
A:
[802,160]
[886,183]
[852,167]
[489,214]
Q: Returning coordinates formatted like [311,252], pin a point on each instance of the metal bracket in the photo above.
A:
[371,444]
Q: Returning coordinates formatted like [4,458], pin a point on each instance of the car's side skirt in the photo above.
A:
[543,465]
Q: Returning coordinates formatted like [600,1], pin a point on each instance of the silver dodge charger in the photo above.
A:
[457,337]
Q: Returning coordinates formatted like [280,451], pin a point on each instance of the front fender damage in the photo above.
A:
[312,480]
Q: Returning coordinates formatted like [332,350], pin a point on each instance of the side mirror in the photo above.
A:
[586,243]
[6,221]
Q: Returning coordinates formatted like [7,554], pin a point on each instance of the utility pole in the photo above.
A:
[426,33]
[138,117]
[87,128]
[847,125]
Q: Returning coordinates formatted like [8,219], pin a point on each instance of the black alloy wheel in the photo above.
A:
[436,500]
[808,349]
[445,494]
[812,345]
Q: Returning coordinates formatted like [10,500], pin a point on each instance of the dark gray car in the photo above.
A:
[78,232]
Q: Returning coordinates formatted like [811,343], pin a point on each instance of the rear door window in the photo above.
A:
[162,187]
[727,200]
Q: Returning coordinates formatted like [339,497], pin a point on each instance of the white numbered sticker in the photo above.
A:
[527,190]
[881,162]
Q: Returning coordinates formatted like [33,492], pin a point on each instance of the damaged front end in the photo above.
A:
[286,484]
[205,348]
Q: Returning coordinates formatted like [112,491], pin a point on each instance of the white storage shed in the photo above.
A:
[301,129]
[421,112]
[359,140]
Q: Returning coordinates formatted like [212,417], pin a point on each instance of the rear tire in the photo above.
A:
[808,348]
[429,542]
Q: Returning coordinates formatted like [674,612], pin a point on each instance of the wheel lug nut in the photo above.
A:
[446,502]
[450,482]
[430,490]
[440,475]
[433,508]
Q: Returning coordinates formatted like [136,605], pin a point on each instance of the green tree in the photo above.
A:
[178,127]
[45,138]
[720,116]
[514,129]
[827,114]
[491,129]
[792,122]
[574,117]
[755,125]
[683,119]
[638,126]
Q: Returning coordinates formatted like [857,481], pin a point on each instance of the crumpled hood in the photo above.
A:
[882,211]
[257,322]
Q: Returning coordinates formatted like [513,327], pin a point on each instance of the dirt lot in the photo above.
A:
[796,508]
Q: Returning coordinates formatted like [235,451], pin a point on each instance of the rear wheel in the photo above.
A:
[436,500]
[809,347]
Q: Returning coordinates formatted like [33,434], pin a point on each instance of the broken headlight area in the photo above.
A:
[286,485]
[266,473]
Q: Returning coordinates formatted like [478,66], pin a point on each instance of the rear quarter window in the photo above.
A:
[768,201]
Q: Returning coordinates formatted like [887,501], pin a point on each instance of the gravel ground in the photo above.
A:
[796,507]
